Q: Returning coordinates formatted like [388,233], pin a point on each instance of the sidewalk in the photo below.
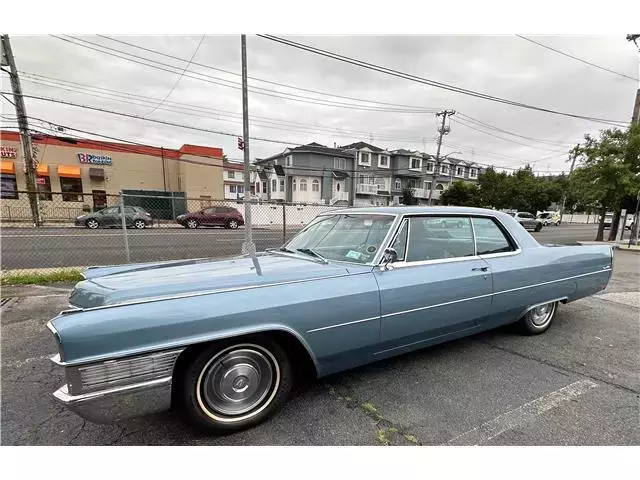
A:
[623,245]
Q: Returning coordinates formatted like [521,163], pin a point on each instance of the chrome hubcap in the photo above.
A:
[542,314]
[93,224]
[233,224]
[140,224]
[237,381]
[192,224]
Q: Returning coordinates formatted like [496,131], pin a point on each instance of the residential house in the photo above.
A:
[311,173]
[233,178]
[372,173]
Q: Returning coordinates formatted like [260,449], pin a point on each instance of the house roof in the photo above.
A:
[360,145]
[233,166]
[312,147]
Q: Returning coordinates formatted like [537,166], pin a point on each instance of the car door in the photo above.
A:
[437,288]
[207,216]
[109,216]
[129,213]
[529,220]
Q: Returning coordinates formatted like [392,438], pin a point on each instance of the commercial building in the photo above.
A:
[85,172]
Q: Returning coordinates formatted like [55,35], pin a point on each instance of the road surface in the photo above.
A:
[24,248]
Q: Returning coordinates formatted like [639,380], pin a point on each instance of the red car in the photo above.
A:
[226,217]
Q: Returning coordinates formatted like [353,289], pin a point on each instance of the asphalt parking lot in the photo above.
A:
[578,384]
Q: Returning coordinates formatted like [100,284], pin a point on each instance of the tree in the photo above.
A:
[610,170]
[493,189]
[461,193]
[408,198]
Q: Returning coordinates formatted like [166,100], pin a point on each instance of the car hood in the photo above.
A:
[105,286]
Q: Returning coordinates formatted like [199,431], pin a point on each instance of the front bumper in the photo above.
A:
[119,403]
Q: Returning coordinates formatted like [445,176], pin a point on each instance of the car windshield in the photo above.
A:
[345,237]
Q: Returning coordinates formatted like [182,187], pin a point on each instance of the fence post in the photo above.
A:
[173,207]
[284,223]
[124,229]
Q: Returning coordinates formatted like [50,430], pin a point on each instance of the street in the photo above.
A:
[24,248]
[577,384]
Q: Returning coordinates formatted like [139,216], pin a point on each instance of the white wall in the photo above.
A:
[264,215]
[238,175]
[308,196]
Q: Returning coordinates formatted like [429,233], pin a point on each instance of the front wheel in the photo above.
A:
[538,227]
[192,223]
[92,223]
[140,224]
[234,385]
[538,319]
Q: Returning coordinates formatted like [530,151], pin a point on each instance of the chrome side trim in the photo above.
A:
[491,294]
[343,324]
[425,340]
[518,251]
[211,292]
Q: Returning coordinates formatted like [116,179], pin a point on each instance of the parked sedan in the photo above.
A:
[226,217]
[222,341]
[111,217]
[527,220]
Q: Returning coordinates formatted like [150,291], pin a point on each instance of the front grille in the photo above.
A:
[126,371]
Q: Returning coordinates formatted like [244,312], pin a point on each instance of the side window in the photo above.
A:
[400,243]
[435,238]
[129,210]
[209,211]
[110,210]
[490,238]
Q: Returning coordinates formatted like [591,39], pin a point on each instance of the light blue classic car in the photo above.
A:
[223,340]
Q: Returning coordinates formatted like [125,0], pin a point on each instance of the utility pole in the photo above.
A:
[247,246]
[23,124]
[443,130]
[564,197]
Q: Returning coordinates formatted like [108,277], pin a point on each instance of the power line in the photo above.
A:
[578,59]
[229,83]
[179,78]
[432,83]
[268,81]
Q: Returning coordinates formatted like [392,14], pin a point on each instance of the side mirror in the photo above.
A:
[390,256]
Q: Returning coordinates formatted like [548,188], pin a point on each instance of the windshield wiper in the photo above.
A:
[308,251]
[285,249]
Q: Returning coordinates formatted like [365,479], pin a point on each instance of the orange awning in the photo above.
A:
[43,170]
[8,167]
[69,171]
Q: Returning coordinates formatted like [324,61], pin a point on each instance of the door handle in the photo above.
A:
[479,269]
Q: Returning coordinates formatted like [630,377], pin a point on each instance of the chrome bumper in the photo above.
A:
[115,404]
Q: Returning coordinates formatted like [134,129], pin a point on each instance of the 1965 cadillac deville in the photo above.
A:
[222,340]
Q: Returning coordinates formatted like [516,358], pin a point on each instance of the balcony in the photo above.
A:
[367,188]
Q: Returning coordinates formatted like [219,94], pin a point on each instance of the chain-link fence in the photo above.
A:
[84,229]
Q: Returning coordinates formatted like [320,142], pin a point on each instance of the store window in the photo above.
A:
[43,185]
[9,186]
[71,189]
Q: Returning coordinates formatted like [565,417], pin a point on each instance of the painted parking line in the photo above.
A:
[521,415]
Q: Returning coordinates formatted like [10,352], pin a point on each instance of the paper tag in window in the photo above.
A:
[368,222]
[353,254]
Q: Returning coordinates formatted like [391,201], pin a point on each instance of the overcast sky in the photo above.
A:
[504,66]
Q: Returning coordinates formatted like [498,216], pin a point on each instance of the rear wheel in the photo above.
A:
[538,227]
[92,223]
[191,223]
[538,319]
[232,223]
[235,384]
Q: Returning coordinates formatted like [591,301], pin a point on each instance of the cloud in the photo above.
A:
[504,66]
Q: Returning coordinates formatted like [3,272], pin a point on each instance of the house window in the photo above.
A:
[398,184]
[444,169]
[9,186]
[71,189]
[282,185]
[240,189]
[416,163]
[364,159]
[474,173]
[274,185]
[303,184]
[43,185]
[231,174]
[315,186]
[264,187]
[384,161]
[429,167]
[427,185]
[294,184]
[258,187]
[340,163]
[289,161]
[439,187]
[460,171]
[232,189]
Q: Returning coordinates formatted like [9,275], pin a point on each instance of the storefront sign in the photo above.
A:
[8,152]
[94,159]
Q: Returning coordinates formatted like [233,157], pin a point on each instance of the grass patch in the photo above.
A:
[35,278]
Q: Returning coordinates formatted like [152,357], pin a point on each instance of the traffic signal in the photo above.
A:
[240,144]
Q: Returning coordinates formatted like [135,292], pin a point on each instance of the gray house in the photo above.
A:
[311,173]
[373,174]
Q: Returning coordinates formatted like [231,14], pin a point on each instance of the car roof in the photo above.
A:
[416,209]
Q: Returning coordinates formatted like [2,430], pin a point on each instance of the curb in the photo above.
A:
[624,246]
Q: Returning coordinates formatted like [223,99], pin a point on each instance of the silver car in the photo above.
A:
[527,220]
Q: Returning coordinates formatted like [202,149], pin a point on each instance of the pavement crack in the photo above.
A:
[554,366]
[80,430]
[387,433]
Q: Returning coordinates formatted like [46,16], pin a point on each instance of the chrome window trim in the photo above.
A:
[473,234]
[518,248]
[419,263]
